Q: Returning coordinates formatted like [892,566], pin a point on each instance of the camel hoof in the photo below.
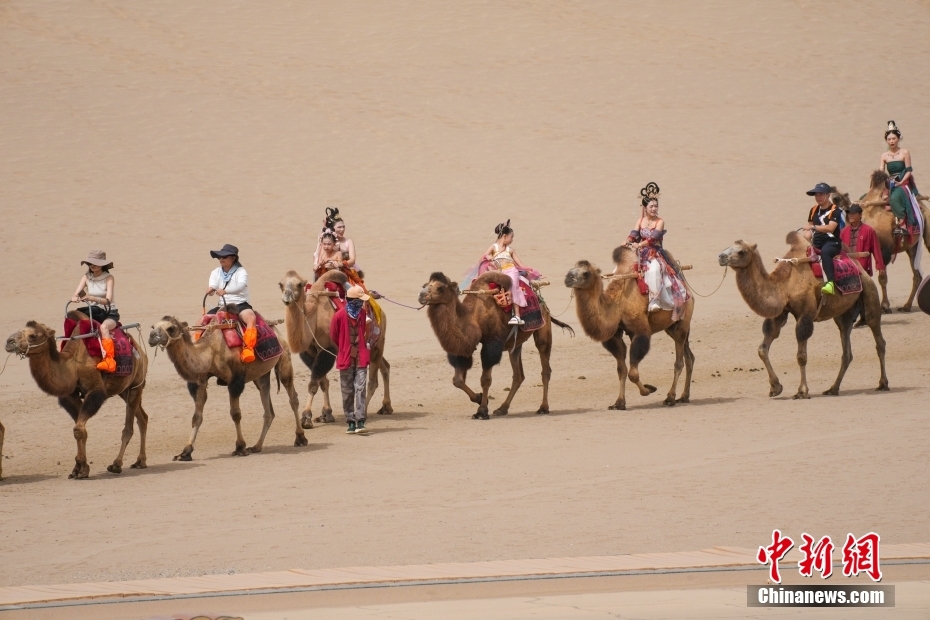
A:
[254,450]
[240,452]
[325,419]
[886,310]
[669,401]
[883,388]
[617,407]
[776,390]
[684,399]
[79,472]
[651,388]
[386,410]
[114,469]
[185,454]
[904,309]
[801,396]
[481,416]
[832,392]
[301,440]
[306,421]
[542,411]
[500,412]
[476,399]
[140,464]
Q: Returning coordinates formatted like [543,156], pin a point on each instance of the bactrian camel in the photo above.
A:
[606,314]
[209,357]
[461,326]
[793,289]
[71,375]
[306,319]
[875,214]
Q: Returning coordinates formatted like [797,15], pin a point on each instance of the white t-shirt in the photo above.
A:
[237,288]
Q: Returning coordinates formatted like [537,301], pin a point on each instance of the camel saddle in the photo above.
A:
[267,345]
[846,270]
[123,351]
[532,314]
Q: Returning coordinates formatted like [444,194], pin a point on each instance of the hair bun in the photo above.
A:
[502,229]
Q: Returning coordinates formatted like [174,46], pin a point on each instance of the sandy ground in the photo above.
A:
[158,131]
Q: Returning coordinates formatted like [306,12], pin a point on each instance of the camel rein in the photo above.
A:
[691,288]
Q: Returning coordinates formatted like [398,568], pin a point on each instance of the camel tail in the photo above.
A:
[277,376]
[571,331]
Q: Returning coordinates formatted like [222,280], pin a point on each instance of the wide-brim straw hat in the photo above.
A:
[357,292]
[99,258]
[226,250]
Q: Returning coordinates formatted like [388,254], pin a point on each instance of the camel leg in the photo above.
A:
[117,466]
[482,413]
[374,368]
[199,393]
[915,277]
[91,405]
[319,366]
[386,408]
[845,324]
[876,326]
[142,420]
[771,329]
[288,380]
[689,368]
[543,340]
[804,330]
[883,282]
[617,348]
[263,384]
[639,348]
[458,380]
[516,363]
[680,341]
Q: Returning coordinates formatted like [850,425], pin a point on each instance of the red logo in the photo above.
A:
[861,556]
[819,556]
[773,553]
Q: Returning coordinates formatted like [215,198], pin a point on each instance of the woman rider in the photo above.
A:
[231,282]
[666,289]
[897,161]
[96,289]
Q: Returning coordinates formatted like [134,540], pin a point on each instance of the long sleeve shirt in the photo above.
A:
[865,241]
[341,335]
[237,288]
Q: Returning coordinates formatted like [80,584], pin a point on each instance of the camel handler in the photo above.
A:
[231,281]
[824,224]
[96,289]
[860,237]
[347,331]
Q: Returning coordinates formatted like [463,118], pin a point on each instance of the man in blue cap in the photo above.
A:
[824,224]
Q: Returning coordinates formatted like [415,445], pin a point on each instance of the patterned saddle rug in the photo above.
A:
[267,346]
[532,314]
[846,270]
[123,351]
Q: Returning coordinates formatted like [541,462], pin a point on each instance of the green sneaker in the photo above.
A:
[351,429]
[360,428]
[828,289]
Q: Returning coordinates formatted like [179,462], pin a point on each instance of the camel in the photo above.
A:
[211,357]
[793,289]
[72,376]
[306,319]
[881,219]
[460,326]
[607,314]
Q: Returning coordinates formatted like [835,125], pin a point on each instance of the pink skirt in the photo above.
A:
[516,293]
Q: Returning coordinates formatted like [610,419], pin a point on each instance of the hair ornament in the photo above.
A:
[892,129]
[327,232]
[502,229]
[649,193]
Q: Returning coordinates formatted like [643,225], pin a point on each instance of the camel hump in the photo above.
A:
[797,242]
[624,255]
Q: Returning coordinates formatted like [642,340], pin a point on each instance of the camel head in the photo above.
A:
[293,287]
[439,290]
[166,330]
[878,180]
[30,340]
[737,256]
[583,275]
[840,200]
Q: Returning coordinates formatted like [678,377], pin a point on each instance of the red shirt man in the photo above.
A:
[860,237]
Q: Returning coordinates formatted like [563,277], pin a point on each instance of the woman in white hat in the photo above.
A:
[96,289]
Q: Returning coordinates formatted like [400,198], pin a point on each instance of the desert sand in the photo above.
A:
[158,131]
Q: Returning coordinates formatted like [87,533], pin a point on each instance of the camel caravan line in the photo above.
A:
[616,310]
